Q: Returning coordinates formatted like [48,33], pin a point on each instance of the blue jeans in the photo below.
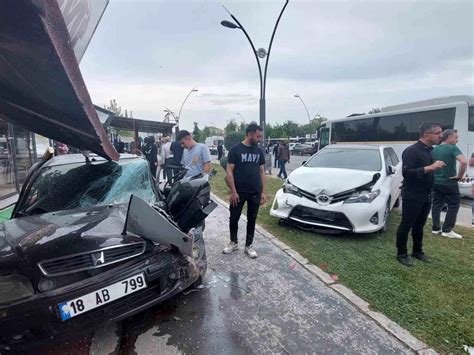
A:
[282,164]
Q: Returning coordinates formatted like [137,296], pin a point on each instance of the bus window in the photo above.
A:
[445,117]
[323,137]
[394,128]
[471,119]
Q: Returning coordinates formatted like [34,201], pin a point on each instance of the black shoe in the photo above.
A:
[421,257]
[405,260]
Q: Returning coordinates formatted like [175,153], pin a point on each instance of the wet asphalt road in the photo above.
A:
[262,306]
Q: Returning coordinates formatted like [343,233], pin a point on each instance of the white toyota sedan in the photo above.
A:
[342,188]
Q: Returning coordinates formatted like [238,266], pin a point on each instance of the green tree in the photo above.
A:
[231,127]
[197,133]
[233,138]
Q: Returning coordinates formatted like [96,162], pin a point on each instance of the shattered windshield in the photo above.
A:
[83,185]
[357,159]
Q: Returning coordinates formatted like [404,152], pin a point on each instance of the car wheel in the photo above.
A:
[386,217]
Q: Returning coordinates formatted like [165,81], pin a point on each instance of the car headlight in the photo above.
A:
[289,188]
[14,287]
[363,197]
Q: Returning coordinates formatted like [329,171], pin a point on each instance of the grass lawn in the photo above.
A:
[435,302]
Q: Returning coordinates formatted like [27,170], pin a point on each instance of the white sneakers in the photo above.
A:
[250,251]
[233,246]
[452,235]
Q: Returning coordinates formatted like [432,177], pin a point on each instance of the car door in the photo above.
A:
[398,177]
[392,179]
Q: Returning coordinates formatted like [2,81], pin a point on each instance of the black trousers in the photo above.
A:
[414,215]
[253,204]
[169,171]
[445,194]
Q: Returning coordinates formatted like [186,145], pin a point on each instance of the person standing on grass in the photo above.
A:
[196,156]
[283,158]
[247,182]
[220,151]
[446,189]
[418,172]
[275,154]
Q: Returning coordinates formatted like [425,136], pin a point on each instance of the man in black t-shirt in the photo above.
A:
[246,179]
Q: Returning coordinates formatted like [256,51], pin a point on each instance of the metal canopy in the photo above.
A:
[41,86]
[139,125]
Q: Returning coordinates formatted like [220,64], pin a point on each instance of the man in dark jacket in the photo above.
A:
[151,154]
[418,173]
[283,158]
[220,151]
[275,155]
[177,150]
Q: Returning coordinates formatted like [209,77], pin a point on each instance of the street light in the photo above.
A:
[168,113]
[181,108]
[261,53]
[242,117]
[299,97]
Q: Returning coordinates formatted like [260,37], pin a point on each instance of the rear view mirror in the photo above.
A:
[391,170]
[304,162]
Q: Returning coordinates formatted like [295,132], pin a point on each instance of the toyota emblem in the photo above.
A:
[323,199]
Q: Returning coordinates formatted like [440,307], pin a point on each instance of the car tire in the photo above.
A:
[386,217]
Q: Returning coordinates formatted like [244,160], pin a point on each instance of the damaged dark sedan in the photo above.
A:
[92,240]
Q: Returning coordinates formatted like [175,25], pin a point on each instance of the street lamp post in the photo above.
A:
[307,112]
[241,117]
[168,113]
[261,53]
[181,108]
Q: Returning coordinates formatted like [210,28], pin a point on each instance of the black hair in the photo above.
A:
[253,127]
[182,134]
[427,127]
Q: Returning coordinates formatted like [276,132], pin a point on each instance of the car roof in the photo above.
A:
[79,158]
[355,146]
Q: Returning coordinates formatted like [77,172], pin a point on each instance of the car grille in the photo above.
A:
[334,198]
[91,260]
[321,218]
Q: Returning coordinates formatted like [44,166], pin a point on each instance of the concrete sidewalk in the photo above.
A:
[272,304]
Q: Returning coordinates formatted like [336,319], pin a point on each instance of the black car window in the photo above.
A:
[393,155]
[387,157]
[85,185]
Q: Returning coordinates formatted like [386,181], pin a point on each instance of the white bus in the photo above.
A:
[398,125]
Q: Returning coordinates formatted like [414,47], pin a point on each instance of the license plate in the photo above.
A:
[101,297]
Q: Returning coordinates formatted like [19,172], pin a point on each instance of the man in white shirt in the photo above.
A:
[167,157]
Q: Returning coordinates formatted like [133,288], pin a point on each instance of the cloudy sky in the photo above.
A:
[339,56]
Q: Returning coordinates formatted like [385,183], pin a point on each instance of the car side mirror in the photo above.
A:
[304,162]
[391,170]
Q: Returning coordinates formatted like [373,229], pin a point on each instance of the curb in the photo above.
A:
[387,324]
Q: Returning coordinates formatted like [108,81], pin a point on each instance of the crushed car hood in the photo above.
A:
[41,237]
[329,181]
